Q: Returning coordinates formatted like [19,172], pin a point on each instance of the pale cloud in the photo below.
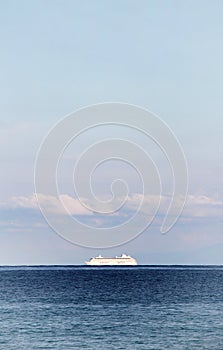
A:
[202,206]
[72,205]
[197,206]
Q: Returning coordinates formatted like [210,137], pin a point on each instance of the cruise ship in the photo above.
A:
[124,259]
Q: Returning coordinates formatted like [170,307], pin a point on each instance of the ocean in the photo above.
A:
[70,307]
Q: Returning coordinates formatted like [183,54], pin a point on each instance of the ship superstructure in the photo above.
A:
[124,259]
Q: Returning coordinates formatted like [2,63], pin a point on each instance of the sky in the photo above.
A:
[59,56]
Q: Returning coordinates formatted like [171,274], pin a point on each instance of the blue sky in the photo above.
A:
[57,56]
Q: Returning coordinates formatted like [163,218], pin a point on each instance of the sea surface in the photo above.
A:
[68,307]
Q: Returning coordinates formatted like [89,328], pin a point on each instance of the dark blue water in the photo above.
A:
[111,308]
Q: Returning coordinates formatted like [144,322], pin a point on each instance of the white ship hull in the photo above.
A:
[124,260]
